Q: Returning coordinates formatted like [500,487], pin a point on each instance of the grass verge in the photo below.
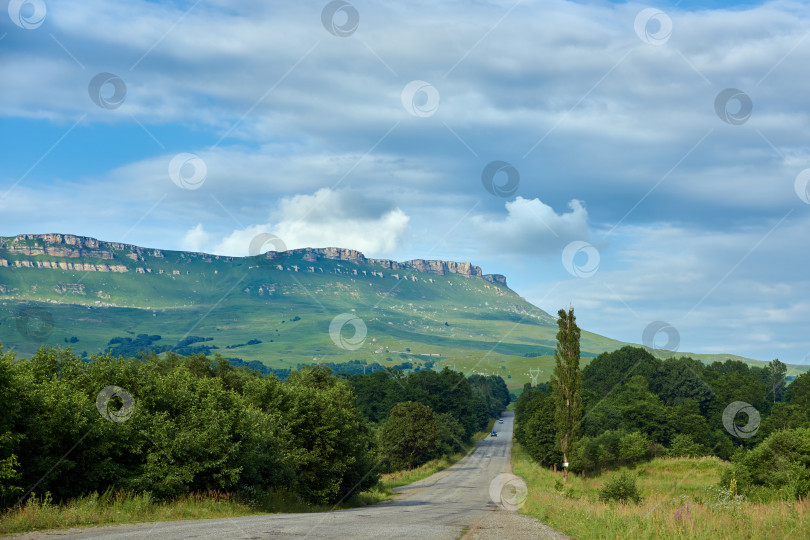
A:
[680,500]
[39,513]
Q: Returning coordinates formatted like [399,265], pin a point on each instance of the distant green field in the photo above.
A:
[450,320]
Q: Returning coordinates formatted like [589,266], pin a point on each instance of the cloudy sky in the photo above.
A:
[643,162]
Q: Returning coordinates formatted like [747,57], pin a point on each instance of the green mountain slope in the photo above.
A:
[274,308]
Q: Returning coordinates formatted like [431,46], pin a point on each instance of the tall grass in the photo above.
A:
[680,500]
[117,507]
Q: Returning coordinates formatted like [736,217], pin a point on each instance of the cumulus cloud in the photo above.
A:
[327,218]
[196,239]
[531,227]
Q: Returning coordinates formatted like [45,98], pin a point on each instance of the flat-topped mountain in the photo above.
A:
[72,247]
[278,308]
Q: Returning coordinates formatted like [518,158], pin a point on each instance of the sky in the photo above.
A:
[647,164]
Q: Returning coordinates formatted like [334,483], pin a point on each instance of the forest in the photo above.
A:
[637,407]
[171,425]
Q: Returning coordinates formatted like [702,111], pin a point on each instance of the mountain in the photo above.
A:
[281,309]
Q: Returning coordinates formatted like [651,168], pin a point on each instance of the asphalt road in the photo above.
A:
[444,506]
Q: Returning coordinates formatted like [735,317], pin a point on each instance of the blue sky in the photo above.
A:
[643,194]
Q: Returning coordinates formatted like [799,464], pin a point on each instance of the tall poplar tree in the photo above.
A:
[566,383]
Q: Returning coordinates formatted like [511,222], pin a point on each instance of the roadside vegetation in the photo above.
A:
[113,439]
[638,408]
[667,448]
[117,507]
[680,498]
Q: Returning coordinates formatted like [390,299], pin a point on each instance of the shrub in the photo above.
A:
[684,446]
[621,488]
[780,462]
[634,447]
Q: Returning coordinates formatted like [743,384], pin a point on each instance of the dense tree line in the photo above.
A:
[472,401]
[427,414]
[172,425]
[637,407]
[145,344]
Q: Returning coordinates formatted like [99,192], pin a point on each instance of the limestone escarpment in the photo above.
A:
[121,257]
[421,265]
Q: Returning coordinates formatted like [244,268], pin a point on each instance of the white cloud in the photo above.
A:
[196,239]
[327,218]
[532,228]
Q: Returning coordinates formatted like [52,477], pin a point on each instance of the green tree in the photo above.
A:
[610,369]
[196,425]
[449,434]
[680,379]
[408,436]
[684,446]
[798,393]
[566,383]
[775,375]
[333,450]
[784,416]
[9,410]
[538,432]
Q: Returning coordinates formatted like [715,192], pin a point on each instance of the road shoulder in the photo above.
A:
[500,524]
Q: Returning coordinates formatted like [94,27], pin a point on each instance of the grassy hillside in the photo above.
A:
[286,304]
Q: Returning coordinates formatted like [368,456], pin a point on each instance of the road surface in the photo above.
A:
[451,504]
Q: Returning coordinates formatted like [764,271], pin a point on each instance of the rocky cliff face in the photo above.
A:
[495,278]
[71,246]
[422,265]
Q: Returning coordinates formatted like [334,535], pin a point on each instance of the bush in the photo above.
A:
[621,488]
[633,447]
[780,462]
[684,446]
